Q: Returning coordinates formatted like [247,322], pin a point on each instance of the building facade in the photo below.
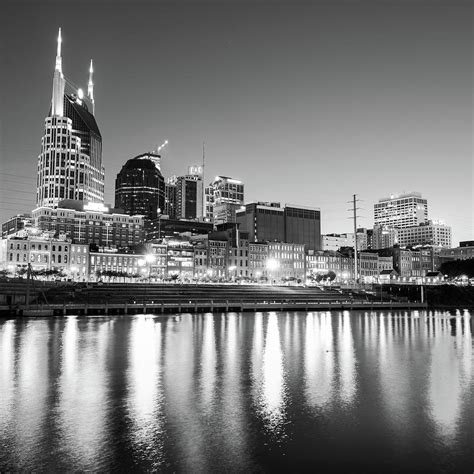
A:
[90,223]
[223,197]
[70,162]
[140,188]
[401,210]
[189,197]
[429,233]
[268,221]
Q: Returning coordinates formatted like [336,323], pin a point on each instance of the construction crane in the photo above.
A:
[159,148]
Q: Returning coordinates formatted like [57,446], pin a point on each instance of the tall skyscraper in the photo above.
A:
[170,197]
[189,194]
[223,197]
[402,210]
[140,188]
[70,162]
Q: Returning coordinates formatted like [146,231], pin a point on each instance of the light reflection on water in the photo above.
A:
[237,392]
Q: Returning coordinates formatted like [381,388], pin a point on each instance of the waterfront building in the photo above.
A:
[90,223]
[269,222]
[238,262]
[180,259]
[286,261]
[223,197]
[156,259]
[70,162]
[140,188]
[368,266]
[16,224]
[217,258]
[257,260]
[125,265]
[44,253]
[428,233]
[401,210]
[384,264]
[201,252]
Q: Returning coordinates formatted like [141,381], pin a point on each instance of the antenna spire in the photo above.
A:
[90,87]
[59,65]
[57,100]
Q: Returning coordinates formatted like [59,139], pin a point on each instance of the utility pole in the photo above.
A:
[204,210]
[354,210]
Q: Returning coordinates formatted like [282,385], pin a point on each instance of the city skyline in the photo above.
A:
[322,175]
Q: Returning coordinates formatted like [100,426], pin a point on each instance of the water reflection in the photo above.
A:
[319,359]
[82,391]
[145,397]
[451,372]
[234,392]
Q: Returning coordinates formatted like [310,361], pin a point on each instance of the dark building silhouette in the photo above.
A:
[140,188]
[268,222]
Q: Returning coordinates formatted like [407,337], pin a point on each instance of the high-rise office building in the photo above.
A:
[189,196]
[269,222]
[170,197]
[223,197]
[140,188]
[402,210]
[70,162]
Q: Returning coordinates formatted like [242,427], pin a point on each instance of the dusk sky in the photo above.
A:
[305,102]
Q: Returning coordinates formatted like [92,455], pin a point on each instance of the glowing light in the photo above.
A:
[149,258]
[80,93]
[273,264]
[95,207]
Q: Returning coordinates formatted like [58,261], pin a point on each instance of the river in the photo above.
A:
[238,392]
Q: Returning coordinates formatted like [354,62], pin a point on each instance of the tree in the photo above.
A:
[456,268]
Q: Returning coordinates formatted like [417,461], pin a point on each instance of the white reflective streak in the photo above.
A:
[7,376]
[144,388]
[346,359]
[83,392]
[32,390]
[445,380]
[272,396]
[318,359]
[208,364]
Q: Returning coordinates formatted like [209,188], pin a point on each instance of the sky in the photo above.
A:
[305,102]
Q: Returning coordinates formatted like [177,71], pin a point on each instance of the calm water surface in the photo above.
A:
[317,391]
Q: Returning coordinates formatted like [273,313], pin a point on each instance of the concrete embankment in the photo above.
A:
[117,298]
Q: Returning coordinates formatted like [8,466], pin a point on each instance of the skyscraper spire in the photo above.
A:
[59,61]
[57,101]
[90,88]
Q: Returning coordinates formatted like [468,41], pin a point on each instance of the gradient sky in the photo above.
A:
[306,102]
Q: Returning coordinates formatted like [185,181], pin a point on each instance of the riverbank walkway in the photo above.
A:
[120,298]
